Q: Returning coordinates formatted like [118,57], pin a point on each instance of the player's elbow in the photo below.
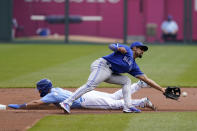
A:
[113,47]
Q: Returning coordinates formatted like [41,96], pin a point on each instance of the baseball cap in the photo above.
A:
[139,44]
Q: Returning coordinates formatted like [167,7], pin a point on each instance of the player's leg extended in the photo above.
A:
[134,88]
[118,94]
[100,100]
[125,82]
[99,73]
[96,100]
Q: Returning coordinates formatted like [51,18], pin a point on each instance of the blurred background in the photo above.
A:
[100,21]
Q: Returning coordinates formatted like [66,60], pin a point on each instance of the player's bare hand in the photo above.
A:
[163,90]
[122,50]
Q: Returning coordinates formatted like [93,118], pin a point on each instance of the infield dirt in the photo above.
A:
[17,120]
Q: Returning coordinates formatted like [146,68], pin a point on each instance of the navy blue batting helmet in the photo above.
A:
[44,86]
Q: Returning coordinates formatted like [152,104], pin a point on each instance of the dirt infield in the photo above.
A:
[17,120]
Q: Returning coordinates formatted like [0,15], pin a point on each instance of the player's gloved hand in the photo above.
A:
[172,92]
[17,106]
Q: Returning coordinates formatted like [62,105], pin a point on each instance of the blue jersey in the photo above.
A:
[58,95]
[123,63]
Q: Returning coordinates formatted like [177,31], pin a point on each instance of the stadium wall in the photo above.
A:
[6,20]
[141,13]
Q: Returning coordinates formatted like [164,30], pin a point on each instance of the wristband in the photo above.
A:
[23,105]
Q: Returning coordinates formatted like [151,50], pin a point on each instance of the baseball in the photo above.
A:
[184,94]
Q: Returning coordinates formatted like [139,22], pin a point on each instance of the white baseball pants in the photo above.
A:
[102,100]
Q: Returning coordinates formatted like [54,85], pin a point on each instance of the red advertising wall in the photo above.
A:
[23,9]
[140,13]
[175,8]
[112,14]
[194,19]
[155,14]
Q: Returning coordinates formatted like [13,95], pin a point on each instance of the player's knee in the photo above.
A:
[126,80]
[90,88]
[91,85]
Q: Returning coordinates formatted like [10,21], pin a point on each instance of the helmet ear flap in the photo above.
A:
[42,94]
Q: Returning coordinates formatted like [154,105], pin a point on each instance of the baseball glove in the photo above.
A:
[172,92]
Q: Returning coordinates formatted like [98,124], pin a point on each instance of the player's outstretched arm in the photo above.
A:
[151,83]
[29,105]
[115,48]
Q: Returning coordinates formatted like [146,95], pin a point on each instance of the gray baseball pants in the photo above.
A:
[101,72]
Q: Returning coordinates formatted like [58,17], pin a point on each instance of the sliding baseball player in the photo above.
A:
[90,100]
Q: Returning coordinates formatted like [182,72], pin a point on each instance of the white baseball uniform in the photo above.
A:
[95,99]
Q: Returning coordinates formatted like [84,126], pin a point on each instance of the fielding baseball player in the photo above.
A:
[91,100]
[109,69]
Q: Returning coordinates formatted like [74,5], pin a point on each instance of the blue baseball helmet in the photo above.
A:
[139,44]
[44,86]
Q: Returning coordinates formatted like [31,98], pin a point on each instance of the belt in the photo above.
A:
[107,63]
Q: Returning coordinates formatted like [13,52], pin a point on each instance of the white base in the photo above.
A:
[2,107]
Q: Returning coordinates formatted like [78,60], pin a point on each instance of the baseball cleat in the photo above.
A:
[131,110]
[65,107]
[148,104]
[143,84]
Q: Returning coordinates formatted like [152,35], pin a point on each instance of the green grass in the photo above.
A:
[171,65]
[163,121]
[22,65]
[68,65]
